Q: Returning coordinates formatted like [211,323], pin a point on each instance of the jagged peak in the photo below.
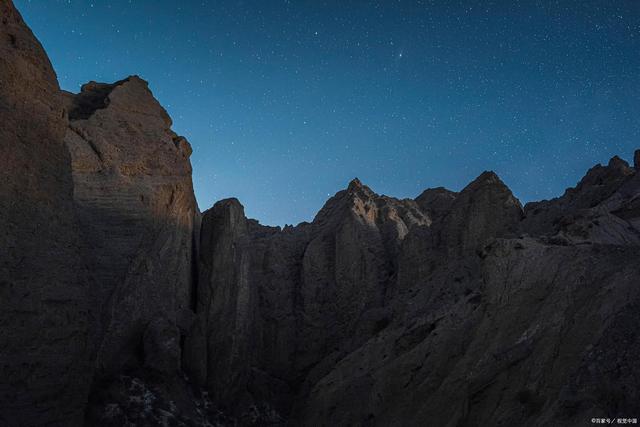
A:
[345,200]
[94,85]
[226,212]
[355,183]
[93,96]
[357,187]
[596,178]
[489,183]
[619,165]
[616,161]
[229,203]
[487,179]
[598,175]
[133,96]
[136,79]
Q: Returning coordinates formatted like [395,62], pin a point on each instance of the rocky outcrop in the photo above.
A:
[602,208]
[274,304]
[45,340]
[502,342]
[436,202]
[456,308]
[134,196]
[516,335]
[135,202]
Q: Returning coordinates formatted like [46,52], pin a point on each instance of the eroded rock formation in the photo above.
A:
[455,309]
[134,198]
[527,330]
[273,304]
[45,343]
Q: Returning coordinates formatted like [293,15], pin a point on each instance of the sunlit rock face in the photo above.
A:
[45,340]
[135,201]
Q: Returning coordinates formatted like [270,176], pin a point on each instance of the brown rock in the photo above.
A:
[135,201]
[511,341]
[383,311]
[223,279]
[44,301]
[274,303]
[436,201]
[600,209]
[483,210]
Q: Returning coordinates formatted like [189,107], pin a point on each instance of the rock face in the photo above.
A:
[602,208]
[517,333]
[454,309]
[44,322]
[273,304]
[133,191]
[135,201]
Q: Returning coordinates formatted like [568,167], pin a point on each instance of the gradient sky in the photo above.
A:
[285,101]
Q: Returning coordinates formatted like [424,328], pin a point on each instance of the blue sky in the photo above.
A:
[284,102]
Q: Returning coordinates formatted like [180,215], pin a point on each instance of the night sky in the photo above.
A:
[284,102]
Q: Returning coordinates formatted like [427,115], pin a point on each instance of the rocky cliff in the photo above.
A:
[455,309]
[274,304]
[45,340]
[518,330]
[123,305]
[135,202]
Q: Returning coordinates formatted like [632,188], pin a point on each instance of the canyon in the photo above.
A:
[122,304]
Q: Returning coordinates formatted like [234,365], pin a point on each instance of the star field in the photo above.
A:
[285,101]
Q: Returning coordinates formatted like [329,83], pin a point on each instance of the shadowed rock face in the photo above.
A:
[44,323]
[516,334]
[273,304]
[602,208]
[441,310]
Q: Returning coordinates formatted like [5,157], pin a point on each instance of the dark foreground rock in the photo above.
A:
[454,309]
[45,340]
